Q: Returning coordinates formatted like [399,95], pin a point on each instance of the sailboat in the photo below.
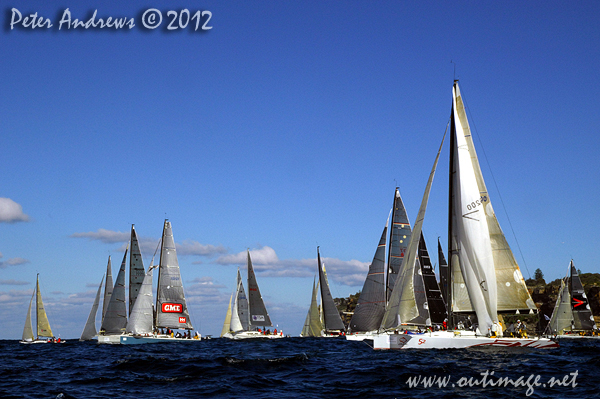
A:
[43,332]
[89,331]
[313,324]
[484,276]
[248,314]
[145,324]
[333,326]
[373,298]
[572,316]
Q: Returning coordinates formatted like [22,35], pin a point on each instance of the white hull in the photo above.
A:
[128,339]
[575,336]
[454,340]
[41,341]
[361,336]
[252,335]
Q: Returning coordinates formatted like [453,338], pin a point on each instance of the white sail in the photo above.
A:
[236,324]
[489,271]
[141,316]
[403,305]
[137,273]
[89,331]
[108,288]
[28,329]
[242,306]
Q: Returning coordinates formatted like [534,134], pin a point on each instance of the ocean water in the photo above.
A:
[294,368]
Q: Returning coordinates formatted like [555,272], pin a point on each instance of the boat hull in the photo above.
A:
[251,335]
[127,339]
[455,340]
[361,336]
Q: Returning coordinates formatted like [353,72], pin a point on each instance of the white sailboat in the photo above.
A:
[89,331]
[248,314]
[43,332]
[572,316]
[485,278]
[146,325]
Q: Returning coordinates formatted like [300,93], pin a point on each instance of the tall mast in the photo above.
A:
[451,249]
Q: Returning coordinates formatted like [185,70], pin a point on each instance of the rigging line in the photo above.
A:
[496,185]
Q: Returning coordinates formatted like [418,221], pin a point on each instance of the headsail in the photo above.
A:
[171,308]
[115,319]
[258,312]
[562,316]
[312,324]
[89,331]
[331,316]
[43,325]
[137,272]
[28,329]
[241,307]
[108,288]
[371,302]
[141,316]
[435,301]
[400,234]
[227,322]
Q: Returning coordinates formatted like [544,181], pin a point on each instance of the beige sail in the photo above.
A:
[43,326]
[227,322]
[28,330]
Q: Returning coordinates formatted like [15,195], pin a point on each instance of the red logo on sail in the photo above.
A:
[182,320]
[172,308]
[579,302]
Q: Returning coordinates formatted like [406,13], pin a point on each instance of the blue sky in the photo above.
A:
[285,126]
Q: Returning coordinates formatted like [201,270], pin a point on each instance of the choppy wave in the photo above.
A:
[292,368]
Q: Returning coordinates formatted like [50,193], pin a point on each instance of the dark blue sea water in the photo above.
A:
[292,368]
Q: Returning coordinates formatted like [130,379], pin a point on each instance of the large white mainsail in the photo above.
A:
[486,276]
[171,307]
[89,331]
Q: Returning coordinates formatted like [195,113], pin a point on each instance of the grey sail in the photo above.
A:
[420,295]
[141,316]
[402,305]
[89,331]
[242,304]
[136,269]
[108,288]
[435,301]
[171,307]
[258,311]
[371,302]
[562,316]
[400,234]
[115,318]
[235,324]
[582,314]
[331,317]
[28,329]
[444,276]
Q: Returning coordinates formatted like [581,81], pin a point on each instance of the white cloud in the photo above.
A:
[11,212]
[106,236]
[266,263]
[12,262]
[14,282]
[190,247]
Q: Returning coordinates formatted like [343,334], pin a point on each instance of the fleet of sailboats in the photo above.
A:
[401,304]
[248,318]
[484,276]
